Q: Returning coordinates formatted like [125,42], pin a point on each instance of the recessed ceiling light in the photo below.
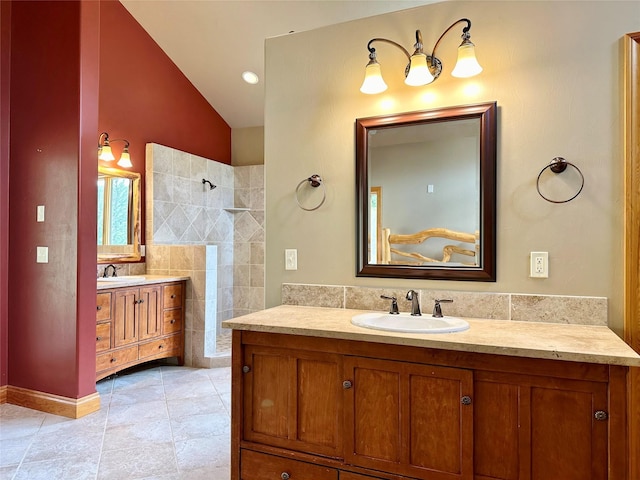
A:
[250,77]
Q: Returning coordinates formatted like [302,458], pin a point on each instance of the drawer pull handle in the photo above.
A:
[285,476]
[347,384]
[98,339]
[246,369]
[160,346]
[113,359]
[601,415]
[99,307]
[466,400]
[173,295]
[173,320]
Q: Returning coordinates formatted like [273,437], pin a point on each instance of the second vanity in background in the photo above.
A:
[137,320]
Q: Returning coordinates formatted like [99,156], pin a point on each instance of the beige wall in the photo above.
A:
[247,146]
[554,69]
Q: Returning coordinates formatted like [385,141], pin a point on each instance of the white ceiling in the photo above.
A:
[213,41]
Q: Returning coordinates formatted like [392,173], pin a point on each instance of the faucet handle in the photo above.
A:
[394,304]
[437,310]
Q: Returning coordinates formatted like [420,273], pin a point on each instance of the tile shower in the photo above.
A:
[214,236]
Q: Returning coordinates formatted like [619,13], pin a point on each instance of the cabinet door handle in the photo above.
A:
[173,296]
[347,384]
[99,307]
[466,400]
[285,476]
[601,415]
[246,369]
[98,339]
[173,320]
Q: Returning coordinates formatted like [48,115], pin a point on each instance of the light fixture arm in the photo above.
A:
[465,33]
[372,51]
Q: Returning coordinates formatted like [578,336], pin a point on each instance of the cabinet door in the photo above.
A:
[409,419]
[537,428]
[293,399]
[125,327]
[149,312]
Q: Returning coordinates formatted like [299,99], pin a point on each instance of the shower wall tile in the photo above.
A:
[184,217]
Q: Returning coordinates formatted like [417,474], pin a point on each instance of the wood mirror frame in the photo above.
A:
[129,252]
[485,268]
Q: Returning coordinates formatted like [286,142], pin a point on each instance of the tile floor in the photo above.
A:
[157,422]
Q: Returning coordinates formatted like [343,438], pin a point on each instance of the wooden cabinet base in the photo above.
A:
[139,324]
[325,407]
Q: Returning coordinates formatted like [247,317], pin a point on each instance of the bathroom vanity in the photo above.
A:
[138,318]
[317,398]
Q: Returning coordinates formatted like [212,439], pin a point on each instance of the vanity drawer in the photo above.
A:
[172,321]
[104,307]
[159,347]
[172,296]
[103,337]
[259,466]
[116,358]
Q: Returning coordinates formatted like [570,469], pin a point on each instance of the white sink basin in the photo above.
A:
[410,324]
[124,278]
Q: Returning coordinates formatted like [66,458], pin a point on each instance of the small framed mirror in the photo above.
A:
[118,215]
[426,186]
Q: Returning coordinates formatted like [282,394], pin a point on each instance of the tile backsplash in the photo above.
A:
[496,306]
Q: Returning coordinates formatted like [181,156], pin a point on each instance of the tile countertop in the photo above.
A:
[137,280]
[580,343]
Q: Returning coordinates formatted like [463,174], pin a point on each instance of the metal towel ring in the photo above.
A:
[559,165]
[314,181]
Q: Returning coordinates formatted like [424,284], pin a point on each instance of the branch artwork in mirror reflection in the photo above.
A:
[118,215]
[426,194]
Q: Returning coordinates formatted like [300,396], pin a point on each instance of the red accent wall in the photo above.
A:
[53,112]
[69,70]
[145,98]
[5,59]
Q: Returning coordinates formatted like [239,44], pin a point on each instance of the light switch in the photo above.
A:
[40,213]
[290,259]
[42,254]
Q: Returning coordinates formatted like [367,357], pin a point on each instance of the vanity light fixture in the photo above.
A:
[105,153]
[422,69]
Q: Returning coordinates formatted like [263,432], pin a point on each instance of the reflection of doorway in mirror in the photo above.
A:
[375,229]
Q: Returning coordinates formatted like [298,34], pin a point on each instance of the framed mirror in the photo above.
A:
[426,186]
[118,215]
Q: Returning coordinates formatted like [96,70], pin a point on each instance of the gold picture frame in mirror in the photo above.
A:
[426,186]
[118,215]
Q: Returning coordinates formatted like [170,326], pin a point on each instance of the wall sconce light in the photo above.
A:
[422,69]
[105,153]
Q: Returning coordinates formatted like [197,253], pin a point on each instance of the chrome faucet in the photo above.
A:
[106,269]
[437,311]
[393,310]
[415,303]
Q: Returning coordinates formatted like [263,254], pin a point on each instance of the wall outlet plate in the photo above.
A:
[290,259]
[539,265]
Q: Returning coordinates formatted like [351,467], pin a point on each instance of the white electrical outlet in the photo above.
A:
[539,267]
[290,259]
[40,213]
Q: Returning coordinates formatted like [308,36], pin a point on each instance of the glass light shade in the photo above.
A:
[373,82]
[467,65]
[125,159]
[419,73]
[105,153]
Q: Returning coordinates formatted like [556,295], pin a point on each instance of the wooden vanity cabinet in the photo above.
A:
[132,327]
[398,412]
[292,399]
[410,419]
